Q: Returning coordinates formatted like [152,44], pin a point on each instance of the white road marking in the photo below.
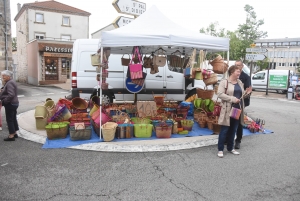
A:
[49,93]
[4,164]
[20,96]
[64,92]
[35,94]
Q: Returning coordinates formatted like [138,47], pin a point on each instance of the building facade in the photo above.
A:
[283,53]
[5,36]
[46,31]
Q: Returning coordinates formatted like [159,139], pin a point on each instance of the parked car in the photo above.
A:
[279,80]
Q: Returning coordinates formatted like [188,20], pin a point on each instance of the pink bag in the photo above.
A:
[136,70]
[235,113]
[104,119]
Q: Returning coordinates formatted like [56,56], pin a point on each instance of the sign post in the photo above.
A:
[129,7]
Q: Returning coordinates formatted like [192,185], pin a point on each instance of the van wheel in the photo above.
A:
[107,99]
[190,95]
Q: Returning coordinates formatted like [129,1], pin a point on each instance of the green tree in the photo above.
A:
[264,64]
[249,31]
[213,30]
[14,43]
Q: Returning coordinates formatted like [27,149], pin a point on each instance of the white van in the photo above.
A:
[169,80]
[278,80]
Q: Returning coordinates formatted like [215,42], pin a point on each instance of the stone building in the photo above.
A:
[46,31]
[5,36]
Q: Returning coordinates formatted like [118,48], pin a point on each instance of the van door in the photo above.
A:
[174,83]
[259,80]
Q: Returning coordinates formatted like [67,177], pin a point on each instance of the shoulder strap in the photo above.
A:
[226,87]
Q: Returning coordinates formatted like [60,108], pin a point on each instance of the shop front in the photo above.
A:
[52,62]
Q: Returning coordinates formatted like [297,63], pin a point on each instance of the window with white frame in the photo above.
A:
[66,21]
[39,17]
[39,35]
[66,37]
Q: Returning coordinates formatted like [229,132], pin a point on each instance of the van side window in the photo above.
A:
[259,76]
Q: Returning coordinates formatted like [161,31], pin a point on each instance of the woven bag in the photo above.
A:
[213,79]
[108,131]
[219,66]
[204,93]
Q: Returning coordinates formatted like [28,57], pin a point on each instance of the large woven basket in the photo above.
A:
[204,93]
[219,66]
[216,127]
[57,130]
[163,130]
[80,134]
[79,103]
[40,115]
[108,131]
[213,79]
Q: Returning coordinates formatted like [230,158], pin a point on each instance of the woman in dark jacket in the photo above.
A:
[9,99]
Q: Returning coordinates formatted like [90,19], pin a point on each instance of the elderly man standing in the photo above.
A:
[9,99]
[246,80]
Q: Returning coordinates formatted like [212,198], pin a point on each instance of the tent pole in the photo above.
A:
[99,86]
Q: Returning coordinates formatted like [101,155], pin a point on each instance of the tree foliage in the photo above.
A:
[14,43]
[241,38]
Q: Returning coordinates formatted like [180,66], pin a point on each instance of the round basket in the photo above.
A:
[79,103]
[108,131]
[205,94]
[213,79]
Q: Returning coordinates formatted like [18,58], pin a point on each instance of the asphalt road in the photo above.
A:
[267,169]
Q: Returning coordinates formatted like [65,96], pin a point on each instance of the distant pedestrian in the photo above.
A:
[9,99]
[230,91]
[1,85]
[246,80]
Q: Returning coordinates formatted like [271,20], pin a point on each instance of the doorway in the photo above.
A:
[66,67]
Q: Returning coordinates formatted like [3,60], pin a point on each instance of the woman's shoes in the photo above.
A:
[9,139]
[220,154]
[16,136]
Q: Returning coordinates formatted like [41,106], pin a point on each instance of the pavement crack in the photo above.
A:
[177,185]
[64,194]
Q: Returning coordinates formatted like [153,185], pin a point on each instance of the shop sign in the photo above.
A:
[278,82]
[57,48]
[130,7]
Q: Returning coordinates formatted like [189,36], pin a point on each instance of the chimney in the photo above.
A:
[19,7]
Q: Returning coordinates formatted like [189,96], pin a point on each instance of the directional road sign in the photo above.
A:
[259,50]
[129,7]
[122,21]
[255,57]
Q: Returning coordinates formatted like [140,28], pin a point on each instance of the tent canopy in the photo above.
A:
[152,30]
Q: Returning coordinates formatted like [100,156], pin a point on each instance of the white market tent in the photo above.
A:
[152,30]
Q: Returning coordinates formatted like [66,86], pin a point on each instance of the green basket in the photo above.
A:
[138,120]
[143,130]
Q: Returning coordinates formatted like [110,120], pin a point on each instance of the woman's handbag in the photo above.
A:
[125,61]
[148,62]
[95,59]
[136,70]
[160,59]
[235,112]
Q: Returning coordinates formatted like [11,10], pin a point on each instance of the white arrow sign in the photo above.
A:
[130,7]
[255,57]
[259,50]
[122,21]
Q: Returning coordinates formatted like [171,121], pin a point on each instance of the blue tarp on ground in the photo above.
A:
[196,131]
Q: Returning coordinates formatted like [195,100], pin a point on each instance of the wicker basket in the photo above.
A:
[163,130]
[50,105]
[219,66]
[209,121]
[199,113]
[57,130]
[40,115]
[213,79]
[202,121]
[216,127]
[204,93]
[108,131]
[80,134]
[79,103]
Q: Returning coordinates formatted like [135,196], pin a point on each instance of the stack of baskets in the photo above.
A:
[219,66]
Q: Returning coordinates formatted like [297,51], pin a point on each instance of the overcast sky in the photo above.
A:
[281,17]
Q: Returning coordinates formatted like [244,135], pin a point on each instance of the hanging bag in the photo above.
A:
[148,62]
[235,112]
[136,70]
[160,59]
[125,61]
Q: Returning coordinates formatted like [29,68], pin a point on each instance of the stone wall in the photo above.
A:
[3,54]
[22,39]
